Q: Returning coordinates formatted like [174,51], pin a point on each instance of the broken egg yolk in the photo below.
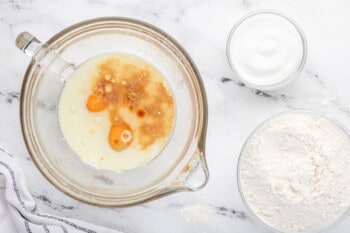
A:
[120,136]
[95,103]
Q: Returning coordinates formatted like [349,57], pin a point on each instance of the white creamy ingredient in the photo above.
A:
[295,172]
[265,49]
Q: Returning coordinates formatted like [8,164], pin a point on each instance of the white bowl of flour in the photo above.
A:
[294,172]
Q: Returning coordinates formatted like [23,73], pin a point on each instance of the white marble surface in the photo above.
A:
[202,28]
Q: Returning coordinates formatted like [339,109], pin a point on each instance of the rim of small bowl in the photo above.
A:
[257,219]
[291,76]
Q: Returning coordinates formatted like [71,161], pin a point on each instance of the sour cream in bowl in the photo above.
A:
[266,49]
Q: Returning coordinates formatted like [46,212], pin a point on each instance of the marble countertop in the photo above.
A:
[235,110]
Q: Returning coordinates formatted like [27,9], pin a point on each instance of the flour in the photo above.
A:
[295,172]
[195,213]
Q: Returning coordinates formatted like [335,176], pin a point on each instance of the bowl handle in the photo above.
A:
[43,56]
[193,177]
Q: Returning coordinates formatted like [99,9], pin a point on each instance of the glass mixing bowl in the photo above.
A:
[180,166]
[254,215]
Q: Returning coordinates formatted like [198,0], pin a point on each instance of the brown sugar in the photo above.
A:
[137,87]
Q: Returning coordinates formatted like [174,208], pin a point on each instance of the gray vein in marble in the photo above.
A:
[6,152]
[317,76]
[14,4]
[17,4]
[225,80]
[274,97]
[265,94]
[52,205]
[10,96]
[118,210]
[231,213]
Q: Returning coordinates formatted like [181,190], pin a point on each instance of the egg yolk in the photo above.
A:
[95,103]
[120,136]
